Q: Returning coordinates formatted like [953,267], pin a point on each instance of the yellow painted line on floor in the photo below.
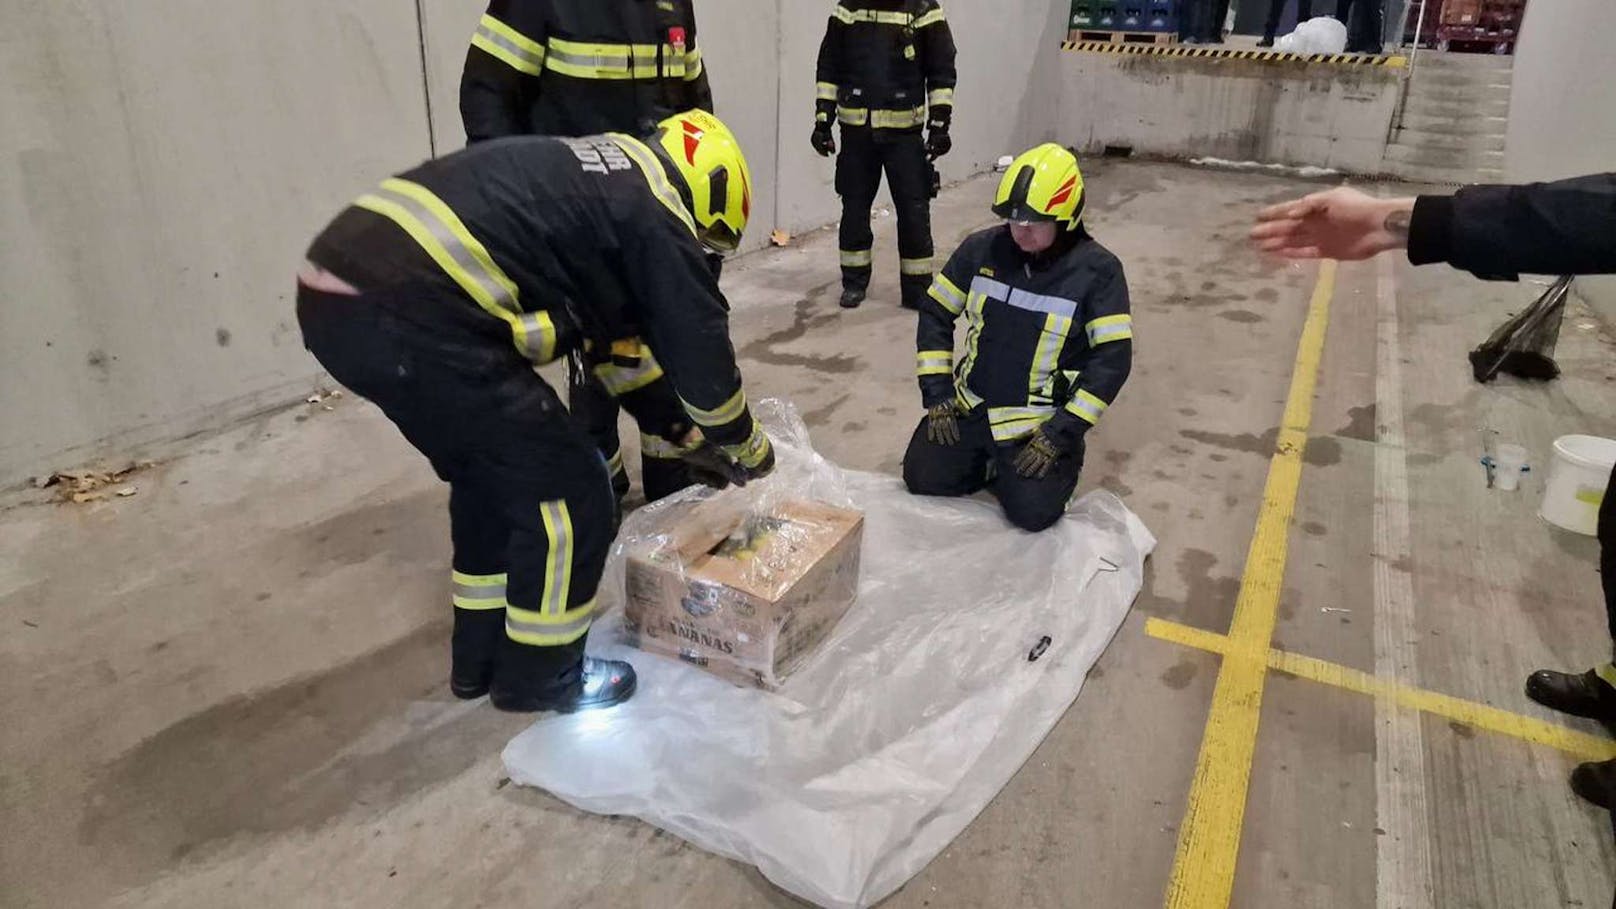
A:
[1471,713]
[1209,838]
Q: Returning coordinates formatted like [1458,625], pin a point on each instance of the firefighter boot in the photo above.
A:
[526,681]
[477,633]
[852,297]
[1585,695]
[1596,782]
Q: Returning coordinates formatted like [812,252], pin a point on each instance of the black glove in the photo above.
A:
[710,466]
[1037,456]
[823,141]
[938,143]
[942,424]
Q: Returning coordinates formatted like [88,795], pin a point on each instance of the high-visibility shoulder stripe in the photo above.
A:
[931,18]
[844,15]
[655,177]
[508,45]
[445,216]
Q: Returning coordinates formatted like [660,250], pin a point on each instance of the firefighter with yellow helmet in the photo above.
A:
[1048,346]
[437,293]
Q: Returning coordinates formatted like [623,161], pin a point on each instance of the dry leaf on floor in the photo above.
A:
[127,491]
[780,238]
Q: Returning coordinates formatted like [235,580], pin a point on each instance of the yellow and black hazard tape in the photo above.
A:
[1218,53]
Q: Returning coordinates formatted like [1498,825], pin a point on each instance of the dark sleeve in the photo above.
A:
[1498,232]
[829,74]
[699,92]
[937,55]
[1106,361]
[934,336]
[630,371]
[501,76]
[687,320]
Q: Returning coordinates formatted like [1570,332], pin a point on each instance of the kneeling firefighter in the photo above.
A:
[437,294]
[1047,348]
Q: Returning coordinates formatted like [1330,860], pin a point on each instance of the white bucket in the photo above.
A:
[1577,479]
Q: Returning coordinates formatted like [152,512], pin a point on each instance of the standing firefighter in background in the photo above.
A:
[1048,346]
[578,68]
[437,294]
[886,68]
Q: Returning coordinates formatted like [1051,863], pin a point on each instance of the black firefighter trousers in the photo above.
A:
[901,154]
[977,462]
[531,510]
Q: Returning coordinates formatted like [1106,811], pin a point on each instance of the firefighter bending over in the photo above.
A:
[435,296]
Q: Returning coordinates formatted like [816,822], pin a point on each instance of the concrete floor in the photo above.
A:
[228,688]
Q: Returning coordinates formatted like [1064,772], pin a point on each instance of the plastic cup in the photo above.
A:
[1507,464]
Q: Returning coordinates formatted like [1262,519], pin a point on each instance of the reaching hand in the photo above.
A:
[710,466]
[938,143]
[1340,223]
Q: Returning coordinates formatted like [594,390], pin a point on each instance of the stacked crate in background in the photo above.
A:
[1480,26]
[1124,21]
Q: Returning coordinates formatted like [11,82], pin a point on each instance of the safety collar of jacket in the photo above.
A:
[675,176]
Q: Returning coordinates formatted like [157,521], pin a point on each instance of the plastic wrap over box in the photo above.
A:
[968,641]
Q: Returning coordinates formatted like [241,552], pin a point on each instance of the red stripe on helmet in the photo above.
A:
[1064,194]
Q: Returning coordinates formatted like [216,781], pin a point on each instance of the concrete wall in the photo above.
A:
[157,187]
[1562,122]
[1241,110]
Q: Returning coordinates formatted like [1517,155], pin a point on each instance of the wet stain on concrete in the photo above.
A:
[1188,412]
[1179,676]
[1462,730]
[805,318]
[1118,457]
[1360,424]
[222,337]
[1322,452]
[1243,316]
[1423,459]
[1245,442]
[819,416]
[887,411]
[1231,500]
[1315,529]
[1217,458]
[1117,486]
[854,426]
[1266,295]
[1208,601]
[287,757]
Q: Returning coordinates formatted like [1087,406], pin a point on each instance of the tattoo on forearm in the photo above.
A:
[1397,222]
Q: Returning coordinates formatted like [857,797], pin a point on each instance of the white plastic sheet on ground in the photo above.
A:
[910,718]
